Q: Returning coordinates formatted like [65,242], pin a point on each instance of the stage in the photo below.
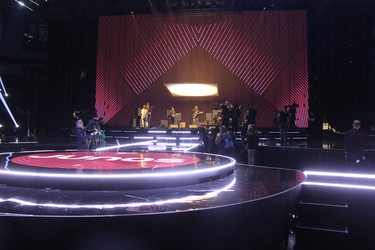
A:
[145,199]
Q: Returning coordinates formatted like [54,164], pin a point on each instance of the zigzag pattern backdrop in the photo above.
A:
[265,50]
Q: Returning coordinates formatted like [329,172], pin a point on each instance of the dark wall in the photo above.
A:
[341,67]
[71,69]
[341,42]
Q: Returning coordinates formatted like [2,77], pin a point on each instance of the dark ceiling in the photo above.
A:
[93,8]
[71,9]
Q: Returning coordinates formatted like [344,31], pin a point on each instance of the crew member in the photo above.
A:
[81,137]
[171,116]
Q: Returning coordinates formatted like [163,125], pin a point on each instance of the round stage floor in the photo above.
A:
[73,183]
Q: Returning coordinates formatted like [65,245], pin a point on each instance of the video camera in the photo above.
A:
[94,124]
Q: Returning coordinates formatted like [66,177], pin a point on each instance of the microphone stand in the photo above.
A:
[28,133]
[28,126]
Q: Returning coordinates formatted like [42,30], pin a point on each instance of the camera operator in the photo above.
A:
[81,137]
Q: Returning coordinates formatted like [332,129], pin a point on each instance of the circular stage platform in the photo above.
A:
[73,183]
[66,199]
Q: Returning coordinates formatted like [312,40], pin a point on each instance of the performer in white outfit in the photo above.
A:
[144,117]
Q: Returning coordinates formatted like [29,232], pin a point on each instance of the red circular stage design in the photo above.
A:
[105,161]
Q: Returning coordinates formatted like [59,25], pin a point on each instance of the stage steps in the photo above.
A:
[321,223]
[331,213]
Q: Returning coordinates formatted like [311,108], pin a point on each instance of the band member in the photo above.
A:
[171,116]
[292,112]
[150,109]
[144,117]
[226,108]
[195,114]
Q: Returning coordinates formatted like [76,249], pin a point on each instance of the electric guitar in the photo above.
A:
[196,114]
[169,116]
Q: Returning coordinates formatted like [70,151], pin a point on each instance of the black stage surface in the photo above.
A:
[158,189]
[141,197]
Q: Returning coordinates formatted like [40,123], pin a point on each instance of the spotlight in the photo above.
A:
[34,2]
[24,5]
[8,109]
[3,87]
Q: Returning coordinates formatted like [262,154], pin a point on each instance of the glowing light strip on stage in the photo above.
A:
[181,132]
[342,175]
[122,176]
[324,184]
[194,146]
[338,174]
[33,151]
[190,198]
[189,138]
[125,145]
[143,137]
[157,147]
[157,132]
[166,143]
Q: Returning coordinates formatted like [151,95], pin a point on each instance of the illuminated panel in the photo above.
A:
[192,89]
[266,50]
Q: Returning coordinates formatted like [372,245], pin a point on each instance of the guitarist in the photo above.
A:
[195,114]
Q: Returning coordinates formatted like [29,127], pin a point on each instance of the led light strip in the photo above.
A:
[194,146]
[125,145]
[120,176]
[157,132]
[338,185]
[190,198]
[337,174]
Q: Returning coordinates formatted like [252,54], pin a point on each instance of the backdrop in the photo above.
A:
[257,58]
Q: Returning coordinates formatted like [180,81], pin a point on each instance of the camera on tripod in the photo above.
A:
[93,127]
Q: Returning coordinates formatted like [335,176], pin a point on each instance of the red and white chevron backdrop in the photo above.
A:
[260,53]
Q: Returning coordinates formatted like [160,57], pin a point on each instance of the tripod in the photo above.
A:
[92,141]
[28,133]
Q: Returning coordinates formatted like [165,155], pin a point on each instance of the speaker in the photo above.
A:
[182,124]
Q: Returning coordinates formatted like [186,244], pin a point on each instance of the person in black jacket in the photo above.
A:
[354,146]
[81,137]
[283,123]
[252,143]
